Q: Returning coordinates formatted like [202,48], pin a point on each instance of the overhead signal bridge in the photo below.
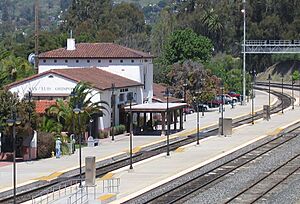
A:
[272,46]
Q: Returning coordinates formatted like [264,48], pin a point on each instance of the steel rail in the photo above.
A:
[180,192]
[271,186]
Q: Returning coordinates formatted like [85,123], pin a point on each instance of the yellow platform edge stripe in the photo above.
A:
[109,175]
[106,197]
[136,149]
[49,177]
[180,149]
[275,132]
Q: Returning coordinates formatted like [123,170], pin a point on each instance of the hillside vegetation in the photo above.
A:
[216,25]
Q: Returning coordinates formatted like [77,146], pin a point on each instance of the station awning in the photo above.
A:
[155,107]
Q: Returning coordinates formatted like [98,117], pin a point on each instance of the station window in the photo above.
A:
[121,97]
[44,61]
[99,61]
[121,61]
[88,61]
[55,61]
[110,61]
[66,61]
[132,61]
[77,61]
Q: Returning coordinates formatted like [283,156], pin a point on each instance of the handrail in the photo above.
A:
[48,194]
[84,195]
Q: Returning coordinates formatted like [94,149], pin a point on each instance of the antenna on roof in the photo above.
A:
[36,35]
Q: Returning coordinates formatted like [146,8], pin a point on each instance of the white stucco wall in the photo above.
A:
[47,84]
[52,84]
[140,70]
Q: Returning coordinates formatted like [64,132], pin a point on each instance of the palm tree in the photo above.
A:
[63,110]
[50,125]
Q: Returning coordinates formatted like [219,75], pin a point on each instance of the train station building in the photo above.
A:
[109,68]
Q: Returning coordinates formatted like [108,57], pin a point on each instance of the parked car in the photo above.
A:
[228,99]
[203,107]
[234,94]
[188,110]
[214,103]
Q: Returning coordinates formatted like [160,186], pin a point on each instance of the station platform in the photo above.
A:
[153,172]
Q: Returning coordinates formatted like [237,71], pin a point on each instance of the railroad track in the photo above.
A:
[267,183]
[26,192]
[179,193]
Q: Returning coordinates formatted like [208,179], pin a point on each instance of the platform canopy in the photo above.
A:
[155,107]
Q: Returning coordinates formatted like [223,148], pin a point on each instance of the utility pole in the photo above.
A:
[36,36]
[244,52]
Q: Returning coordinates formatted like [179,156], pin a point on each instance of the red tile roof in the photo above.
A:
[42,105]
[158,94]
[98,78]
[95,50]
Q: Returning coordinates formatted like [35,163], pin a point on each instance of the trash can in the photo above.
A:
[90,141]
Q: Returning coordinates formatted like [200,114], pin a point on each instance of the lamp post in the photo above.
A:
[282,93]
[12,123]
[112,111]
[184,90]
[244,51]
[130,98]
[222,106]
[28,97]
[253,72]
[77,110]
[167,94]
[90,126]
[269,78]
[299,91]
[293,82]
[196,101]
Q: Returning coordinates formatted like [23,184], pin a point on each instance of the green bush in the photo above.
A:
[119,129]
[45,145]
[64,149]
[103,134]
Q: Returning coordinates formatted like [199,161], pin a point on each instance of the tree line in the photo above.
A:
[219,22]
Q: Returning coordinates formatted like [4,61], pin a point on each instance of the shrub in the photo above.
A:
[64,149]
[45,145]
[119,129]
[103,134]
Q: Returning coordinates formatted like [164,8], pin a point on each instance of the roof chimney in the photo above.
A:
[71,42]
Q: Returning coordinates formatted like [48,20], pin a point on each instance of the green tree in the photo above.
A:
[10,103]
[50,125]
[161,30]
[187,45]
[62,111]
[200,82]
[296,75]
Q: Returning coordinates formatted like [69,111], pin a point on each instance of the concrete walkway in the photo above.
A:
[47,169]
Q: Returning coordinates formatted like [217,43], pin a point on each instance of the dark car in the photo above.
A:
[188,110]
[203,107]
